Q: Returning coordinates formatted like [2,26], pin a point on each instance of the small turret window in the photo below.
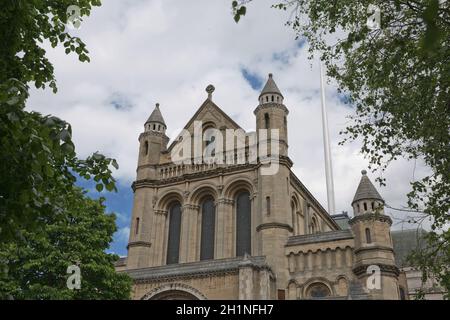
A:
[266,120]
[268,205]
[154,127]
[272,99]
[137,226]
[365,206]
[357,206]
[373,205]
[368,237]
[267,99]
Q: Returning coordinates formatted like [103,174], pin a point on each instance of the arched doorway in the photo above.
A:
[174,295]
[174,291]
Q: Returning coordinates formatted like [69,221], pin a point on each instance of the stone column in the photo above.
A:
[185,233]
[159,237]
[193,250]
[224,234]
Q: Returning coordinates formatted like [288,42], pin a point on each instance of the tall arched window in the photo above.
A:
[146,148]
[173,244]
[313,225]
[294,218]
[243,224]
[368,237]
[208,228]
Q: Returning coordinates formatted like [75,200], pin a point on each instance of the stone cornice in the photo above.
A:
[371,248]
[370,216]
[201,175]
[153,133]
[319,237]
[196,269]
[139,244]
[271,105]
[385,269]
[274,225]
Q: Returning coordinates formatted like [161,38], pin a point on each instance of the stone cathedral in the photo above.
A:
[205,230]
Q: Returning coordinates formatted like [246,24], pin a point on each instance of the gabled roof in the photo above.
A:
[208,103]
[270,87]
[366,190]
[156,116]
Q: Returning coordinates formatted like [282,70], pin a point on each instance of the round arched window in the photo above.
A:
[318,290]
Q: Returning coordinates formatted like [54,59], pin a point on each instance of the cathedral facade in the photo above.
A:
[235,229]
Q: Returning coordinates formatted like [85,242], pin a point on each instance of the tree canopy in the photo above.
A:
[391,59]
[45,222]
[37,263]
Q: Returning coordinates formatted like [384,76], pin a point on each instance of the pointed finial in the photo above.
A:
[210,89]
[363,172]
[157,105]
[270,75]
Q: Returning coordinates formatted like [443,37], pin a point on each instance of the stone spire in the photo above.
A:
[366,190]
[270,87]
[156,116]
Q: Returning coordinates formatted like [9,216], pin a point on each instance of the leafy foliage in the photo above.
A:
[397,76]
[39,206]
[37,264]
[24,25]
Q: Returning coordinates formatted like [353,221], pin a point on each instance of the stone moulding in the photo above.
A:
[385,269]
[174,287]
[319,237]
[274,225]
[370,216]
[196,269]
[139,244]
[367,248]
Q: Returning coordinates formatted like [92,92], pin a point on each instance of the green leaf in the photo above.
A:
[99,187]
[115,164]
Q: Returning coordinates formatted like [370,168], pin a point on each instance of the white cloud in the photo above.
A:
[122,235]
[168,51]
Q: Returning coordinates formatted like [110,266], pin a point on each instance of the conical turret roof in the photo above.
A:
[270,87]
[156,116]
[366,190]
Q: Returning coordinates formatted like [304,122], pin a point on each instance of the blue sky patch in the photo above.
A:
[253,79]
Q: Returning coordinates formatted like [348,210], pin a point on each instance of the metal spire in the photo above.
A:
[326,146]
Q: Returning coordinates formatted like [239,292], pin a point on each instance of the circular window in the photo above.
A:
[318,290]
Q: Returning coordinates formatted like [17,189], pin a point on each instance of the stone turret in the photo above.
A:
[271,113]
[374,262]
[152,142]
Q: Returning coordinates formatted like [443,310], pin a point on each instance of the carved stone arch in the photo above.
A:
[202,191]
[316,281]
[296,199]
[174,291]
[236,185]
[208,124]
[167,198]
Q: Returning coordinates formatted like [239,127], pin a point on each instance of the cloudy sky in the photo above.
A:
[148,51]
